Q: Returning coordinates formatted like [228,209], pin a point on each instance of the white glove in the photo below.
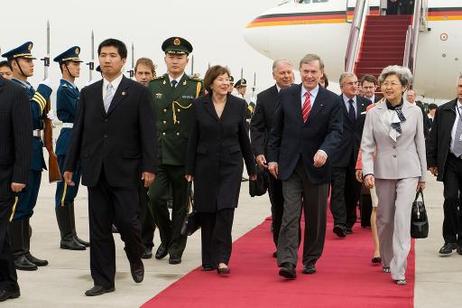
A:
[46,82]
[51,115]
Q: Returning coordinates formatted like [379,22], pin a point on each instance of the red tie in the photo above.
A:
[306,108]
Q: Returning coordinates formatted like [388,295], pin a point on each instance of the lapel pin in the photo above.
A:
[123,93]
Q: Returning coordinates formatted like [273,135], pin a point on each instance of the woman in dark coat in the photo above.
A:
[217,145]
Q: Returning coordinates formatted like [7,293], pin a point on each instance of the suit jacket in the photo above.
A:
[15,134]
[262,120]
[215,151]
[121,142]
[291,138]
[439,141]
[347,152]
[387,159]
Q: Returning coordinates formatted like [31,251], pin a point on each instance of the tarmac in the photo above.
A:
[63,282]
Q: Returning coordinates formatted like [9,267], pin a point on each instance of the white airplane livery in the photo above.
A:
[359,36]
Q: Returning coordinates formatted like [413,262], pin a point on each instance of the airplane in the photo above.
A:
[354,35]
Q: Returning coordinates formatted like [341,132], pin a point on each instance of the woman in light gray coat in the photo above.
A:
[394,132]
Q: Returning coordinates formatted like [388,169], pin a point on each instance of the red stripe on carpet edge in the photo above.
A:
[345,278]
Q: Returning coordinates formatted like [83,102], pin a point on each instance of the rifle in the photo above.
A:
[54,174]
[91,64]
[131,71]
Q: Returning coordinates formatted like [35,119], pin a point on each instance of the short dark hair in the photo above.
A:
[6,64]
[111,42]
[432,106]
[212,73]
[368,78]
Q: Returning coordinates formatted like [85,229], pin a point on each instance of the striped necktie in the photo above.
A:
[109,96]
[306,108]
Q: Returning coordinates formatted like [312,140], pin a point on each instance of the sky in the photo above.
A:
[214,28]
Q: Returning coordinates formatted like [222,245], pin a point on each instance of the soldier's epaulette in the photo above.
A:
[159,77]
[195,78]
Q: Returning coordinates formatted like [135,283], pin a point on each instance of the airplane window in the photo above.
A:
[311,1]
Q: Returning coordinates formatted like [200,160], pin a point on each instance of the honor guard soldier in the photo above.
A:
[67,99]
[241,86]
[21,61]
[173,94]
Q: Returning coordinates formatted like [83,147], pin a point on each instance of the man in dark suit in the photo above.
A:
[307,130]
[368,87]
[260,127]
[114,139]
[411,96]
[345,188]
[444,157]
[15,161]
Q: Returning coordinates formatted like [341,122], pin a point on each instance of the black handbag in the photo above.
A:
[419,218]
[192,221]
[260,185]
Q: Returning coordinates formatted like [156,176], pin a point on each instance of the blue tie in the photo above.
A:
[351,110]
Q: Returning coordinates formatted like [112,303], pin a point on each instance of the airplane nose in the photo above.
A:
[257,36]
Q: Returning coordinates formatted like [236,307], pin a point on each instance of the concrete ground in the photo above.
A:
[62,283]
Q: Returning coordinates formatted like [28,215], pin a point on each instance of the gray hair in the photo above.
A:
[281,61]
[403,73]
[345,75]
[311,58]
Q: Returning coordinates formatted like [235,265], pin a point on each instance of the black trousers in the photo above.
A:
[216,237]
[112,205]
[147,220]
[8,277]
[345,196]
[170,230]
[452,223]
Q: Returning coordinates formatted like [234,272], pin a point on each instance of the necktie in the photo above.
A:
[306,108]
[109,96]
[457,148]
[173,83]
[351,110]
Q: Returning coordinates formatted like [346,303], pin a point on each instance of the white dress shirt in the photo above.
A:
[347,104]
[313,95]
[456,121]
[176,79]
[115,84]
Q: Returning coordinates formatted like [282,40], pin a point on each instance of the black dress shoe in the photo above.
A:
[174,260]
[98,290]
[309,269]
[71,244]
[447,249]
[348,231]
[208,267]
[147,254]
[36,261]
[82,242]
[162,251]
[137,270]
[23,264]
[459,249]
[9,294]
[287,270]
[339,231]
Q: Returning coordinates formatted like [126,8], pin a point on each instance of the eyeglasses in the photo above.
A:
[391,84]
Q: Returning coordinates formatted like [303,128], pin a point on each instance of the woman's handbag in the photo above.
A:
[192,222]
[260,185]
[419,218]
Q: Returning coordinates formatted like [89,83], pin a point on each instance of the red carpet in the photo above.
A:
[345,278]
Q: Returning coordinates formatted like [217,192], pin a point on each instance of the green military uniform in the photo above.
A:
[172,105]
